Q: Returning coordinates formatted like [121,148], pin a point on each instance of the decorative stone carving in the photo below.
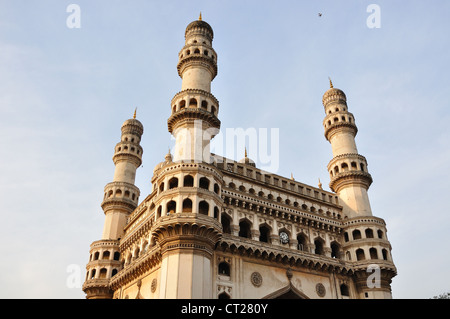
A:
[256,279]
[320,290]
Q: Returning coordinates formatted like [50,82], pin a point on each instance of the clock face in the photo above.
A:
[284,237]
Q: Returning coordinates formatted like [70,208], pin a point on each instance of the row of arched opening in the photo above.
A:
[105,255]
[188,181]
[203,208]
[368,233]
[119,193]
[102,273]
[280,200]
[266,235]
[344,167]
[372,253]
[131,149]
[197,50]
[194,103]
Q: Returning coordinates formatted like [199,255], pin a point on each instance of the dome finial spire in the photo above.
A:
[200,16]
[134,115]
[331,83]
[245,151]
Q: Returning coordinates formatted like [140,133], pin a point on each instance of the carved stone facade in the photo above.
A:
[218,228]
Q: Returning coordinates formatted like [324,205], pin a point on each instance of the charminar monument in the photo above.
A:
[213,227]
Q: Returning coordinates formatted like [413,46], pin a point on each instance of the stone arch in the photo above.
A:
[287,292]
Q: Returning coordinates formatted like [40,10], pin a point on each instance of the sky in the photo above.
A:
[65,92]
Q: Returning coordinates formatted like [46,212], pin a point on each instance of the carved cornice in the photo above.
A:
[352,177]
[197,60]
[195,92]
[339,127]
[188,115]
[136,268]
[187,231]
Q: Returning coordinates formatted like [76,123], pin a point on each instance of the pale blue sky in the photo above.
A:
[64,94]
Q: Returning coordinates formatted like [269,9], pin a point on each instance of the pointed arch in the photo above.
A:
[287,292]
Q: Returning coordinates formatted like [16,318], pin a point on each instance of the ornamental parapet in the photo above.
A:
[197,59]
[340,127]
[343,179]
[190,115]
[187,231]
[137,267]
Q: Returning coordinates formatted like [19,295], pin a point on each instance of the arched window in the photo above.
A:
[369,233]
[188,181]
[187,206]
[216,189]
[344,291]
[301,238]
[182,104]
[204,183]
[223,295]
[373,253]
[105,255]
[224,269]
[96,255]
[171,207]
[335,250]
[159,211]
[103,272]
[204,105]
[173,182]
[114,272]
[385,254]
[203,208]
[161,187]
[226,223]
[380,233]
[216,212]
[344,167]
[346,237]
[356,234]
[360,254]
[318,250]
[116,255]
[244,229]
[192,103]
[264,233]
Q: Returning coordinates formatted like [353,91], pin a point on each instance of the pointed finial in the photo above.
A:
[134,115]
[292,177]
[246,152]
[331,83]
[200,17]
[320,184]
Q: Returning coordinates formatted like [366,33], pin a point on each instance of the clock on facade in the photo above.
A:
[284,237]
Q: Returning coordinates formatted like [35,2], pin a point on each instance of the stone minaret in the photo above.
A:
[368,251]
[120,199]
[194,120]
[348,169]
[187,222]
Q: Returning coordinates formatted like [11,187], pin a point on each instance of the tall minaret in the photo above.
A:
[194,121]
[187,220]
[121,198]
[348,169]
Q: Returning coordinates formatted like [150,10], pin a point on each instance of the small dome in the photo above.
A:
[333,94]
[167,160]
[199,24]
[247,160]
